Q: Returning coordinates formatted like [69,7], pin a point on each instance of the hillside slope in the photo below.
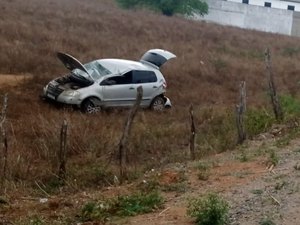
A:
[211,61]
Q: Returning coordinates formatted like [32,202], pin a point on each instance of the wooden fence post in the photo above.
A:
[3,139]
[240,110]
[193,133]
[126,133]
[272,89]
[62,155]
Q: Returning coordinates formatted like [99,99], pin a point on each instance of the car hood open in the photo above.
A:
[70,62]
[157,57]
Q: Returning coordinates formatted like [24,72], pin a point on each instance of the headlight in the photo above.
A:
[45,88]
[71,93]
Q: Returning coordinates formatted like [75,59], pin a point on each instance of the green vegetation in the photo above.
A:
[219,132]
[258,121]
[208,210]
[122,206]
[257,191]
[180,187]
[290,105]
[219,64]
[283,141]
[36,220]
[273,158]
[243,157]
[290,51]
[266,221]
[203,170]
[168,7]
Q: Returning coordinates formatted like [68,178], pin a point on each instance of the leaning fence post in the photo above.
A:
[240,110]
[273,93]
[126,133]
[193,133]
[62,155]
[3,139]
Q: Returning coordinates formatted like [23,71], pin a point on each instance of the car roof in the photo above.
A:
[122,65]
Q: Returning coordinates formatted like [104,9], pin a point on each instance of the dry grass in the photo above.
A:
[212,60]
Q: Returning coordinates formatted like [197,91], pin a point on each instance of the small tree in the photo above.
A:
[169,7]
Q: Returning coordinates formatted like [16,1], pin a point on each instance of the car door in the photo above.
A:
[119,90]
[148,80]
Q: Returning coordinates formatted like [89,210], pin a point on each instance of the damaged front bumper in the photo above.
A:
[168,103]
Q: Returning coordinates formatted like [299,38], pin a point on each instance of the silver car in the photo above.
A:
[107,83]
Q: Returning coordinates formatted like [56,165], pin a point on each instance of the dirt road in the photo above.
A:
[257,192]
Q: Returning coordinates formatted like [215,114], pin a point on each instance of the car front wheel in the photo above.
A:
[90,106]
[158,104]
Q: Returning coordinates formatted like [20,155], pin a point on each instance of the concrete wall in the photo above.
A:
[278,4]
[250,16]
[296,24]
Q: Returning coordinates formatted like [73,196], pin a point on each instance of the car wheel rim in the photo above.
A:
[158,105]
[91,109]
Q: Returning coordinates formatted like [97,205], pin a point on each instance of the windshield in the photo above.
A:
[96,70]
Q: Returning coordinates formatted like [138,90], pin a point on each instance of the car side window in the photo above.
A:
[144,77]
[118,80]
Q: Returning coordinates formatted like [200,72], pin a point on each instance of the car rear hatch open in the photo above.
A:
[157,57]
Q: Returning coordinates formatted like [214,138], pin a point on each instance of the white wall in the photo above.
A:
[249,16]
[274,3]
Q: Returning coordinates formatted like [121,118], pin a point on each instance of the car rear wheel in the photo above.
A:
[158,104]
[90,106]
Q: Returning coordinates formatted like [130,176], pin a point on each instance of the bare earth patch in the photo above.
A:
[11,80]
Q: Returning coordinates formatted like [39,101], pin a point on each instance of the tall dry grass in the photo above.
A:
[211,61]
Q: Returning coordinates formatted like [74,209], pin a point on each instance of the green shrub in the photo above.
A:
[138,203]
[94,211]
[209,210]
[168,7]
[258,121]
[290,105]
[121,206]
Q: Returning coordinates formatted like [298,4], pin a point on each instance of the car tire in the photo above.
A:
[158,104]
[90,106]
